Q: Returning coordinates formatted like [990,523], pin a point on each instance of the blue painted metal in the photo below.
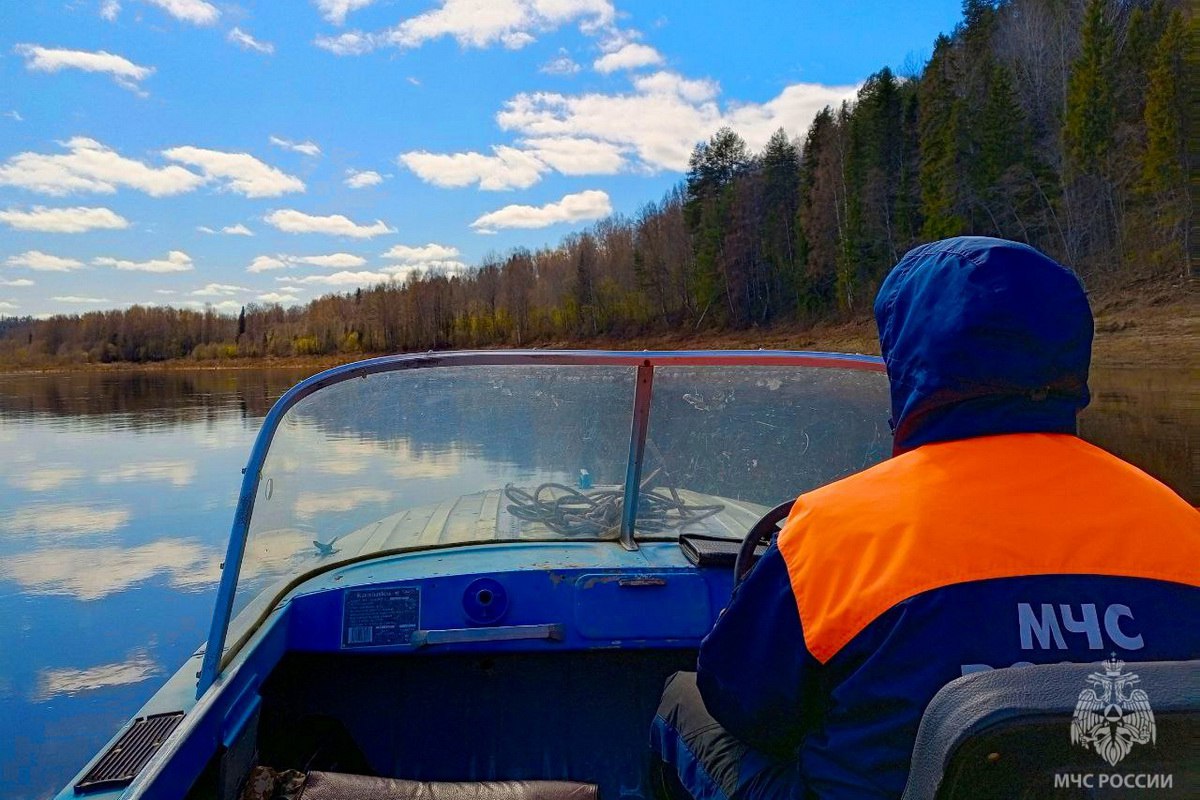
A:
[218,631]
[548,577]
[642,394]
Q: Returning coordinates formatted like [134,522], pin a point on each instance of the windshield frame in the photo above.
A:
[644,362]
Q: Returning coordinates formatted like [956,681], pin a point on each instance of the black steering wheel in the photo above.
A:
[761,534]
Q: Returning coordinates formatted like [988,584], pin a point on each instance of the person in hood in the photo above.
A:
[994,537]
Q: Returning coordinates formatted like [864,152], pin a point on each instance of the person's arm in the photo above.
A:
[754,670]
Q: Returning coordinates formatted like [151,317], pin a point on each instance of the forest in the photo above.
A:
[1061,123]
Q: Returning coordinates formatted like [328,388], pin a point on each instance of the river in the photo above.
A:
[116,494]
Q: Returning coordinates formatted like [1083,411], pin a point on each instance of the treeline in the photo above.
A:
[1061,123]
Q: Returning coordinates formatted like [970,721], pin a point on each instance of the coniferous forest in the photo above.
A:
[1061,123]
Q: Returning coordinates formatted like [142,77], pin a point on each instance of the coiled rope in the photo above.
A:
[570,512]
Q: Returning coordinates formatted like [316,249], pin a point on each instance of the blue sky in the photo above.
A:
[192,152]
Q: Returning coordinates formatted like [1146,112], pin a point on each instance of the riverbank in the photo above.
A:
[1156,327]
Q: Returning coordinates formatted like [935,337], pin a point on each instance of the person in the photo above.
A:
[993,537]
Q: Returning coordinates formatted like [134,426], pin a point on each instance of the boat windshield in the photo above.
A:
[468,453]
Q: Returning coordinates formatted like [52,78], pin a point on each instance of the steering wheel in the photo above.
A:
[762,533]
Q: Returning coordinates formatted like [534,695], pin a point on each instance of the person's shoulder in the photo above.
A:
[1133,480]
[867,484]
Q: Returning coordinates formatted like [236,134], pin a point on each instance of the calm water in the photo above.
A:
[116,494]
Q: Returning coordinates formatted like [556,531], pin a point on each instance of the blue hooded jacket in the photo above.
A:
[982,336]
[983,339]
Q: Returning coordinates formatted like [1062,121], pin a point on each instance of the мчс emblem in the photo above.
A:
[1112,717]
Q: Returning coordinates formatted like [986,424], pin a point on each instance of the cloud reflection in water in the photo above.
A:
[65,680]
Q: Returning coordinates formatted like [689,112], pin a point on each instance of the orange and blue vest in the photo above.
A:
[951,558]
[994,538]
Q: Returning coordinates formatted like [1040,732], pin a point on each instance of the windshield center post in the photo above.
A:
[643,391]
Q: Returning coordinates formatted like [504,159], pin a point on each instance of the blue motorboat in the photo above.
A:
[468,575]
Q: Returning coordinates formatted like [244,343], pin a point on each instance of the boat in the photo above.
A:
[468,575]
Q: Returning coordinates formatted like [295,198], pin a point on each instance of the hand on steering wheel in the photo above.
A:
[760,534]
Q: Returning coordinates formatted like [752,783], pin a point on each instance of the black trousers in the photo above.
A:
[709,762]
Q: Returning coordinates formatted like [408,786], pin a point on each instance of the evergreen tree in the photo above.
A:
[1090,114]
[939,141]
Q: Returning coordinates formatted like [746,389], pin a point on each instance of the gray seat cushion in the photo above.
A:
[339,786]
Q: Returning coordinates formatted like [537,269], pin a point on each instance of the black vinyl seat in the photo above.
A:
[341,786]
[1008,733]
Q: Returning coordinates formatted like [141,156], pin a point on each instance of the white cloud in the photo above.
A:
[628,56]
[63,220]
[579,207]
[65,519]
[563,64]
[672,113]
[289,220]
[417,255]
[74,298]
[509,168]
[576,156]
[426,260]
[48,59]
[14,115]
[515,40]
[334,260]
[109,10]
[90,166]
[264,263]
[222,307]
[54,681]
[513,168]
[197,12]
[176,261]
[344,278]
[18,283]
[247,42]
[307,148]
[219,290]
[335,11]
[509,23]
[43,262]
[7,306]
[401,272]
[276,297]
[413,81]
[357,179]
[240,172]
[231,230]
[354,43]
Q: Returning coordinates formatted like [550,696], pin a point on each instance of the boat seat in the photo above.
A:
[342,786]
[1007,733]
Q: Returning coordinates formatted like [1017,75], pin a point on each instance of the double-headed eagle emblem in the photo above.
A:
[1112,717]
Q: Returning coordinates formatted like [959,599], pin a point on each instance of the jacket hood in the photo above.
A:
[983,336]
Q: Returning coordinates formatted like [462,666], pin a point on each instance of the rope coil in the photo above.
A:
[598,511]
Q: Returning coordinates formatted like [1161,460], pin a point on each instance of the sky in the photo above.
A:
[202,153]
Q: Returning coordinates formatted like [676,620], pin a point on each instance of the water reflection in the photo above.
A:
[117,492]
[65,680]
[1150,418]
[116,495]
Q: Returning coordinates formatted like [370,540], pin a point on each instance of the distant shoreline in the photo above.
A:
[1156,331]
